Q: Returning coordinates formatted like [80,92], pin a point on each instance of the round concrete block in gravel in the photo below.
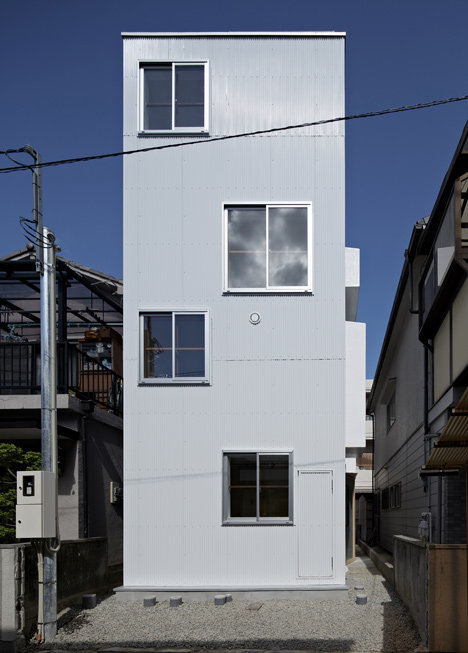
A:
[88,601]
[359,588]
[228,598]
[361,599]
[175,601]
[219,599]
[149,601]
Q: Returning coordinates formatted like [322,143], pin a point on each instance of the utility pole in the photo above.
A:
[44,243]
[47,621]
[37,202]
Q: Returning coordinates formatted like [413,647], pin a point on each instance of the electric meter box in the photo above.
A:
[35,504]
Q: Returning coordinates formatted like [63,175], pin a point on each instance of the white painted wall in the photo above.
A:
[355,384]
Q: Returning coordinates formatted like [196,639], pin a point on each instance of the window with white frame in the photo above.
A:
[268,247]
[257,488]
[173,97]
[174,347]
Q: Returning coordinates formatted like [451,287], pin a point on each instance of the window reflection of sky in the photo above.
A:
[287,247]
[287,231]
[247,247]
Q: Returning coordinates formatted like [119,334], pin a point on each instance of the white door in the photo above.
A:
[315,523]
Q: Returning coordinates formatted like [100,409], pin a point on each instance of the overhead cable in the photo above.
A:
[259,132]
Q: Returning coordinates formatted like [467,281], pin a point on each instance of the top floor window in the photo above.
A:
[173,97]
[268,248]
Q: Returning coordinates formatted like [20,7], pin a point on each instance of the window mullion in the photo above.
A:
[142,98]
[309,247]
[258,487]
[173,94]
[173,346]
[267,245]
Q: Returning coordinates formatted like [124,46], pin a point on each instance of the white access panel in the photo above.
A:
[315,523]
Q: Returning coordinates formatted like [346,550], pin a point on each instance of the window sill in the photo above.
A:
[155,382]
[173,132]
[258,523]
[267,291]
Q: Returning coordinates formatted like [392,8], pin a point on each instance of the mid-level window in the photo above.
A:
[391,497]
[268,247]
[173,97]
[257,488]
[173,347]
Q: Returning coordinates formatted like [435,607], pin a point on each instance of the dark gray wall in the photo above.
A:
[400,453]
[104,464]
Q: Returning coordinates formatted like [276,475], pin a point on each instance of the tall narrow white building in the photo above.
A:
[240,369]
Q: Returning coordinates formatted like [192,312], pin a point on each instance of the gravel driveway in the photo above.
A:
[380,625]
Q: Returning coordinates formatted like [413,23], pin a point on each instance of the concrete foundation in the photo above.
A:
[306,593]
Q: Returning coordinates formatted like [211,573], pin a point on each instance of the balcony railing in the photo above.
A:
[77,373]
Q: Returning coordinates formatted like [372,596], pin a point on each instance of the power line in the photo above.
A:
[356,116]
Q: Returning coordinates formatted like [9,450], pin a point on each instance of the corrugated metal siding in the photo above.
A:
[254,83]
[277,385]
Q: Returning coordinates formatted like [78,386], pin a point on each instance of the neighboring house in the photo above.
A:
[89,386]
[363,485]
[419,396]
[244,384]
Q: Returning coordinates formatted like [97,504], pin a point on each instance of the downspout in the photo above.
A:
[84,467]
[374,507]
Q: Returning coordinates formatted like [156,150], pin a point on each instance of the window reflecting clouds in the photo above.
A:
[287,231]
[247,247]
[273,238]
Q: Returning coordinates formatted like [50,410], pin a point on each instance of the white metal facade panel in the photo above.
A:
[355,384]
[255,83]
[278,385]
[315,524]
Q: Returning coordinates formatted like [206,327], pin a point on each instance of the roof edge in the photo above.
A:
[416,234]
[228,34]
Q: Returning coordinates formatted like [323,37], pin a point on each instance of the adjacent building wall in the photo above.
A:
[399,453]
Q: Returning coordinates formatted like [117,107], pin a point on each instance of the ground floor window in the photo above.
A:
[257,487]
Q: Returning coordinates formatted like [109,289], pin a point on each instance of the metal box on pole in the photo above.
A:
[35,505]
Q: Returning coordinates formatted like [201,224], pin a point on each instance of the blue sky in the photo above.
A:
[61,88]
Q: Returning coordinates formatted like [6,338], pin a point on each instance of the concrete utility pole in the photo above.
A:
[47,617]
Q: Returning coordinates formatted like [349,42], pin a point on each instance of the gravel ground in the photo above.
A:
[381,625]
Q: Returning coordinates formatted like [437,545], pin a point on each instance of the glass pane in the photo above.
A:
[274,486]
[158,97]
[189,96]
[157,336]
[190,345]
[445,241]
[243,485]
[287,233]
[247,247]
